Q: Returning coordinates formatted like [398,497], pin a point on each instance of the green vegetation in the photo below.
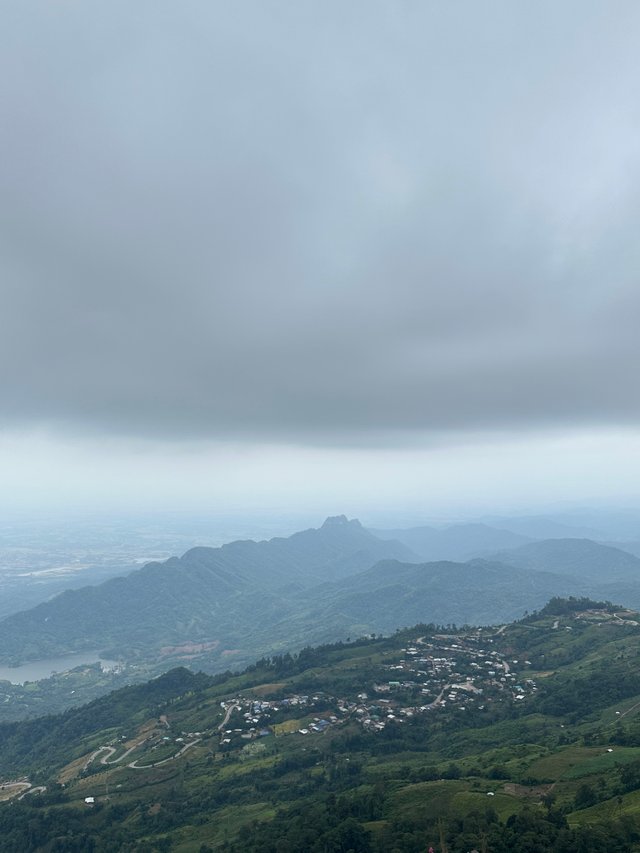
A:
[567,606]
[62,690]
[222,605]
[226,606]
[455,739]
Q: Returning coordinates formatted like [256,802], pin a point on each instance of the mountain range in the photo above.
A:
[216,596]
[216,608]
[459,542]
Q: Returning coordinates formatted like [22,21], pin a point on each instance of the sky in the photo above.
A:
[327,256]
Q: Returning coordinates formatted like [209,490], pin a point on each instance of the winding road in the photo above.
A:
[135,766]
[110,750]
[22,789]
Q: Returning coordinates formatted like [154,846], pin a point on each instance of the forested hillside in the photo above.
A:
[210,595]
[507,740]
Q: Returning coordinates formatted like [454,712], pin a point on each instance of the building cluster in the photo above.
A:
[456,670]
[459,672]
[258,716]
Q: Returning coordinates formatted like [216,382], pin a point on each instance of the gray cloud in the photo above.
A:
[319,221]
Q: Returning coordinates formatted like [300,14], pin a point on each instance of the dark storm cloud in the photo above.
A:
[319,220]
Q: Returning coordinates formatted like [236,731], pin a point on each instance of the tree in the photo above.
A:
[585,796]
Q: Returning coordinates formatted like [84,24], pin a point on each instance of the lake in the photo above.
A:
[36,670]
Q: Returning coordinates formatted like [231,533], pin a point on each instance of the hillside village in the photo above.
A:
[467,671]
[387,729]
[430,675]
[455,672]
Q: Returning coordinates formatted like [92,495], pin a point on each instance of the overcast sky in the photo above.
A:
[333,254]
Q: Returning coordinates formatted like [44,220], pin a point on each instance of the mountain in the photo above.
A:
[253,622]
[219,607]
[520,739]
[215,596]
[184,609]
[601,522]
[548,527]
[458,542]
[632,547]
[393,593]
[339,548]
[581,558]
[477,592]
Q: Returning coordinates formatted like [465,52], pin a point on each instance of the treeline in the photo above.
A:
[354,821]
[558,606]
[289,664]
[335,825]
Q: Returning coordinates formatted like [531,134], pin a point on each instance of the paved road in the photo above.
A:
[22,788]
[37,790]
[95,754]
[110,750]
[438,700]
[135,766]
[230,711]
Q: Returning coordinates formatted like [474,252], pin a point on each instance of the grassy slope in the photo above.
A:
[413,774]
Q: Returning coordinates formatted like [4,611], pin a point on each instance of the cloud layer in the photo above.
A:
[319,222]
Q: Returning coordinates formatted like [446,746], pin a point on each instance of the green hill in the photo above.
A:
[210,595]
[235,603]
[581,558]
[215,608]
[479,591]
[523,738]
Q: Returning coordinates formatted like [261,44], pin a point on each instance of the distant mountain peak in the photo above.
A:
[340,521]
